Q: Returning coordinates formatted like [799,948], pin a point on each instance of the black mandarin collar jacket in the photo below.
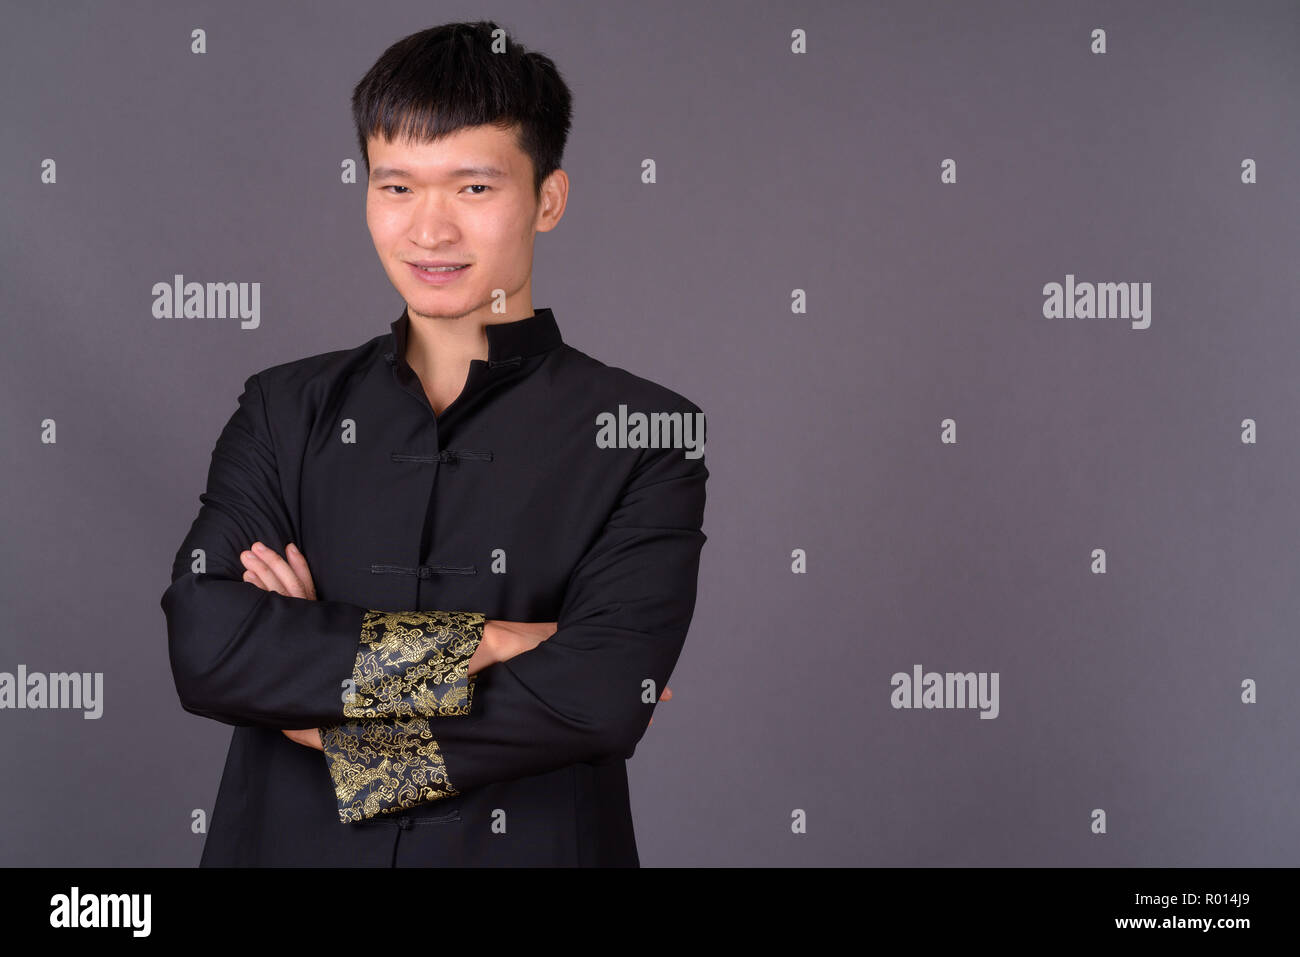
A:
[417,528]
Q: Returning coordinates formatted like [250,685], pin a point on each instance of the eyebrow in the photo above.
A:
[485,172]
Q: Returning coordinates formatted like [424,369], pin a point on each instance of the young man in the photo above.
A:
[434,602]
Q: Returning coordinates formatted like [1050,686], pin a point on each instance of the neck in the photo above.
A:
[439,349]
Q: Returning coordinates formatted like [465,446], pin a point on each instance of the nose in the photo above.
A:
[432,223]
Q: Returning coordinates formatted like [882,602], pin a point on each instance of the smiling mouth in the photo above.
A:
[436,269]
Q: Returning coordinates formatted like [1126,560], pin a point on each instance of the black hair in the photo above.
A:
[445,78]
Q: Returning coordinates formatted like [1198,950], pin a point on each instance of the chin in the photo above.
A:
[443,306]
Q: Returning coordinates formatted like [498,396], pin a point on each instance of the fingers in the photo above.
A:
[255,563]
[270,572]
[273,570]
[252,579]
[309,737]
[280,570]
[666,696]
[299,565]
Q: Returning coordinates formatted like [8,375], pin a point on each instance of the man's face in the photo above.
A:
[464,200]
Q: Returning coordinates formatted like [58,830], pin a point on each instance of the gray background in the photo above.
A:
[775,172]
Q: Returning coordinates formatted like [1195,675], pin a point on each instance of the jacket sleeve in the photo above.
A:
[244,656]
[585,693]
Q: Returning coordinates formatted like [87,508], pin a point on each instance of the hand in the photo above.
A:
[269,572]
[309,738]
[502,640]
[666,696]
[505,639]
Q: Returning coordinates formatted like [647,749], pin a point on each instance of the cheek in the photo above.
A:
[509,227]
[384,228]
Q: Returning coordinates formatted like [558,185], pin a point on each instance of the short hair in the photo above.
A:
[446,78]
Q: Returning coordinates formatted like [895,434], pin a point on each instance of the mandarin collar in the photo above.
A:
[526,337]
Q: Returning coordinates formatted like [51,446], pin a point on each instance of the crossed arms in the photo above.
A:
[290,575]
[245,653]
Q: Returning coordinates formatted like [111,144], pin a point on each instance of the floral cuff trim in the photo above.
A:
[378,767]
[414,663]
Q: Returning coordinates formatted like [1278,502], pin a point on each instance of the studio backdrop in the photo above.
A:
[992,309]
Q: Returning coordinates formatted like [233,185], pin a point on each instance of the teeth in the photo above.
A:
[441,268]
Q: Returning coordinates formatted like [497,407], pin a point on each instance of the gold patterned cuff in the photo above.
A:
[379,767]
[412,663]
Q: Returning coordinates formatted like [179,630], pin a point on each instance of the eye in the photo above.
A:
[478,186]
[382,188]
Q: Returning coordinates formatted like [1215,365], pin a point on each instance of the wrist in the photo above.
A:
[489,646]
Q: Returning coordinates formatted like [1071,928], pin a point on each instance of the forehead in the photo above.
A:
[474,147]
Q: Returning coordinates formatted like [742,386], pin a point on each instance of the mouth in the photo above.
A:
[438,272]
